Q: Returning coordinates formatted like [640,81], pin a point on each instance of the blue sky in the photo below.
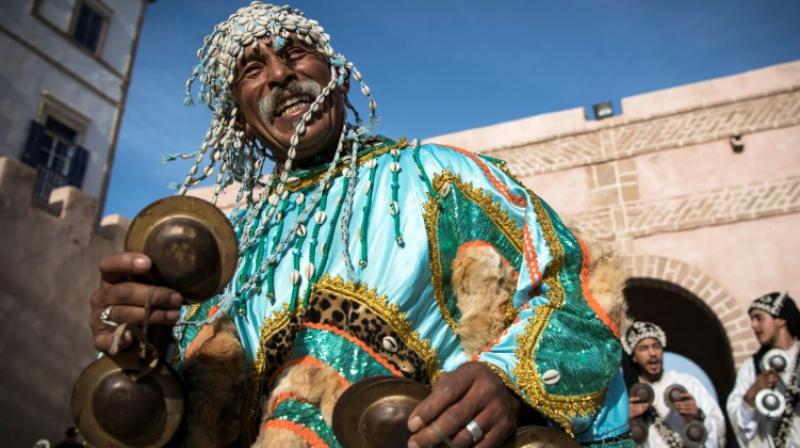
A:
[447,65]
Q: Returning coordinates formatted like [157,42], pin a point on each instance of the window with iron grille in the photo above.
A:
[88,27]
[53,150]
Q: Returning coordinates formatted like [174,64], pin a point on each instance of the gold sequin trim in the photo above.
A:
[561,408]
[389,312]
[363,158]
[485,202]
[269,328]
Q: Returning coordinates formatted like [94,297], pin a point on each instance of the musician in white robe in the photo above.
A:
[644,343]
[775,320]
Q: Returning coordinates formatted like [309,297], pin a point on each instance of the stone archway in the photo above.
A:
[721,303]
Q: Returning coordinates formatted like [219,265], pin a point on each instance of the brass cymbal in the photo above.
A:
[113,409]
[373,413]
[191,244]
[542,437]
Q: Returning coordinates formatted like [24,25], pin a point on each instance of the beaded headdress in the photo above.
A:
[771,303]
[639,331]
[240,157]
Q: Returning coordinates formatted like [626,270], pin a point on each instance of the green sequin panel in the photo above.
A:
[575,343]
[461,220]
[350,360]
[307,415]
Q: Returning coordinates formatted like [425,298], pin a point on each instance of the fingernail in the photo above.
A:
[127,338]
[412,444]
[175,299]
[141,263]
[173,315]
[414,425]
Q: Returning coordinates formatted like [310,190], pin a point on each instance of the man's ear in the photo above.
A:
[248,132]
[780,323]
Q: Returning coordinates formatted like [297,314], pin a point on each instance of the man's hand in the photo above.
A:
[767,379]
[686,406]
[127,298]
[471,392]
[636,408]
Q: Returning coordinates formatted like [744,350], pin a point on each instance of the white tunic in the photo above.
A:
[749,426]
[714,421]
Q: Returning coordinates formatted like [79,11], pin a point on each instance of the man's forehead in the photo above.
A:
[647,342]
[267,44]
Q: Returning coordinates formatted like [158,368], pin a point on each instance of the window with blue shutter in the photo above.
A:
[52,149]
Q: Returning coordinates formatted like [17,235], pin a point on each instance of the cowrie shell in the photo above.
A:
[551,377]
[389,344]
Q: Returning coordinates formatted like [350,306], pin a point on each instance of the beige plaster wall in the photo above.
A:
[771,154]
[750,258]
[49,269]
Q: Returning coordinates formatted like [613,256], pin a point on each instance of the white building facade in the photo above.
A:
[64,77]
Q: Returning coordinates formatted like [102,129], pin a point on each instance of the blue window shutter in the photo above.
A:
[33,146]
[77,167]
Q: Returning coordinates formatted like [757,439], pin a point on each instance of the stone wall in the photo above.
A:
[49,269]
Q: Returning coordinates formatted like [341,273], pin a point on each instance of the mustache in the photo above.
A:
[268,104]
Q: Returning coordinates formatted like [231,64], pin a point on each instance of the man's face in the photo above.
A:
[274,89]
[765,327]
[649,356]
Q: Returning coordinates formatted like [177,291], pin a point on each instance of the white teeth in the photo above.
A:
[294,104]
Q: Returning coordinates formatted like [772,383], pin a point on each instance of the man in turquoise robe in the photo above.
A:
[419,261]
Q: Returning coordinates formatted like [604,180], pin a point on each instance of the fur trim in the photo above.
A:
[213,373]
[319,385]
[277,437]
[484,283]
[608,272]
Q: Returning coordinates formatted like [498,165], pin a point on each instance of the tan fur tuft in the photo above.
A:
[484,283]
[214,376]
[608,272]
[317,385]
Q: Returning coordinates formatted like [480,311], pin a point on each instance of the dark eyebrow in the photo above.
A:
[248,56]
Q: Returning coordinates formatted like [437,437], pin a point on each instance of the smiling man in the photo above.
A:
[361,256]
[775,321]
[644,342]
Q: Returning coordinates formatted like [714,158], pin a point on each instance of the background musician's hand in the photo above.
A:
[636,408]
[767,379]
[686,406]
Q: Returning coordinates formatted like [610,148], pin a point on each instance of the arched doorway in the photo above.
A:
[692,328]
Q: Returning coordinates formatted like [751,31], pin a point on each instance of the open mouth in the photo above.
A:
[293,105]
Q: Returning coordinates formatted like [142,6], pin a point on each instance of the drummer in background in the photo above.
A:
[775,321]
[644,343]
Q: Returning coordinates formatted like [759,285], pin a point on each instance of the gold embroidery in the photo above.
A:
[389,312]
[560,408]
[485,202]
[367,156]
[270,326]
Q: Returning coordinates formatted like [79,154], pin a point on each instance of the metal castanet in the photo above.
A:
[191,244]
[132,398]
[694,433]
[771,403]
[374,412]
[638,426]
[541,437]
